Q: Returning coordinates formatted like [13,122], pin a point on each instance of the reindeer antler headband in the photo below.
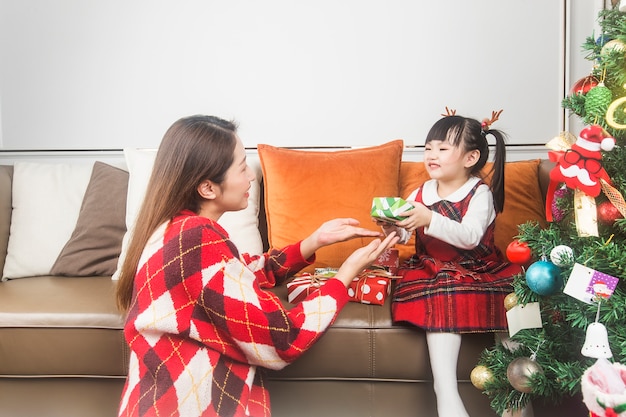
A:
[449,112]
[485,124]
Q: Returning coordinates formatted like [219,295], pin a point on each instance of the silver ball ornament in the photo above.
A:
[519,372]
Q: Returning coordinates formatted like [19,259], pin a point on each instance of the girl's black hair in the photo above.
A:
[472,135]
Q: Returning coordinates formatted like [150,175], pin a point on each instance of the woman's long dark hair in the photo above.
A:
[471,135]
[194,149]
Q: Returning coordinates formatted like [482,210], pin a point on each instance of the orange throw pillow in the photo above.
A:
[303,189]
[523,201]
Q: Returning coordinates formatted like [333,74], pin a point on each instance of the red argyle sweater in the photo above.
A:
[201,323]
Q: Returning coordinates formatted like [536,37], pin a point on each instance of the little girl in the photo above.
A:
[457,280]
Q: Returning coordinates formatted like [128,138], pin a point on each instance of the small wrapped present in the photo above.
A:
[301,286]
[389,260]
[389,208]
[371,287]
[326,272]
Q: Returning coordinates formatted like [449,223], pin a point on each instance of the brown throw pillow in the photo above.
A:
[96,242]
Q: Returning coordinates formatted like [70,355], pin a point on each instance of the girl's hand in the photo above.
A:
[418,216]
[364,257]
[334,231]
[387,226]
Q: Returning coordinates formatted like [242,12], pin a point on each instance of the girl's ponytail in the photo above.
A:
[497,171]
[497,179]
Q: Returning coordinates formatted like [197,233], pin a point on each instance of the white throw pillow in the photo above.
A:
[139,163]
[46,203]
[242,226]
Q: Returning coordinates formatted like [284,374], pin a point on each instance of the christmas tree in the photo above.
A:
[585,240]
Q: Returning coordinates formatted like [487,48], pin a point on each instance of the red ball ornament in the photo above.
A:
[518,252]
[608,213]
[583,85]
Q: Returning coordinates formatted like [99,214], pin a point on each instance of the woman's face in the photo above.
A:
[234,189]
[232,194]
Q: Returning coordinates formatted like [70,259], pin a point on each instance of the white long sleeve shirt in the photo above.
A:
[465,234]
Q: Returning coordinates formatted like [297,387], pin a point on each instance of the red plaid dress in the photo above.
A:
[201,326]
[447,289]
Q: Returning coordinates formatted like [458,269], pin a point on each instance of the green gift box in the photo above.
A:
[389,208]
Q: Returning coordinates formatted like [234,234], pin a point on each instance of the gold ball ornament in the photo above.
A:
[510,301]
[610,114]
[480,375]
[519,372]
[614,45]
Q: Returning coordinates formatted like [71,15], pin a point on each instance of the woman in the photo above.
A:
[200,321]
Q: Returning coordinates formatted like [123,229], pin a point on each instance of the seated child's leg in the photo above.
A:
[443,349]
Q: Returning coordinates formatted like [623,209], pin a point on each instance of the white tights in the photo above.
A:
[443,349]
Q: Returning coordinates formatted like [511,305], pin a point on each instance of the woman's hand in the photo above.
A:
[364,257]
[334,231]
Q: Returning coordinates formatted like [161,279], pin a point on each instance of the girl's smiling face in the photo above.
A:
[445,162]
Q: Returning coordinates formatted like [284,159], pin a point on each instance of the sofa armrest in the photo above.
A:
[545,166]
[6,203]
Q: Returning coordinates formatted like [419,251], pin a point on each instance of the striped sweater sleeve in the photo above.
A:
[218,299]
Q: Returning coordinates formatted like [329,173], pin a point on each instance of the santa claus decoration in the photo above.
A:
[580,166]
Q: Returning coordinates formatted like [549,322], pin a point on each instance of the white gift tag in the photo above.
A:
[523,317]
[585,284]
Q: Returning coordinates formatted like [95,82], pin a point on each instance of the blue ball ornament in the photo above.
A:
[544,278]
[602,40]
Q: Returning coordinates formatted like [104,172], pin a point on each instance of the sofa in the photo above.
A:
[62,350]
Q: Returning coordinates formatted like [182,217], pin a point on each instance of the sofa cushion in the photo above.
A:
[46,204]
[61,326]
[96,242]
[523,199]
[303,189]
[364,343]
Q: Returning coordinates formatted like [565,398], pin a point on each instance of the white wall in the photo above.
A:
[78,74]
[582,19]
